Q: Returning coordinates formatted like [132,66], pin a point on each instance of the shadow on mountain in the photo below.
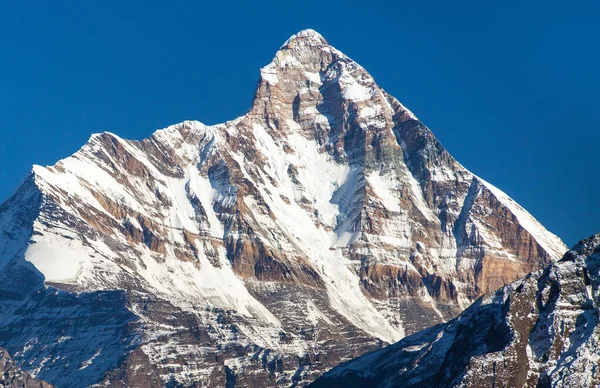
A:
[65,338]
[62,337]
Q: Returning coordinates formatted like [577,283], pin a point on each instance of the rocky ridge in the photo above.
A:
[541,331]
[326,222]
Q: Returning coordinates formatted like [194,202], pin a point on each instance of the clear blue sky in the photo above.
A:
[511,90]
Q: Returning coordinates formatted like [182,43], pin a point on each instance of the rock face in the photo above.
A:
[12,376]
[541,331]
[326,222]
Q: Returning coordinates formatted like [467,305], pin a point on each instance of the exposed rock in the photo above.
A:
[541,331]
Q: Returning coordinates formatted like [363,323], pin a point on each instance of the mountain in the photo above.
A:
[541,331]
[326,222]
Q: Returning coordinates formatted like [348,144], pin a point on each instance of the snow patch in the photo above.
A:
[269,74]
[356,92]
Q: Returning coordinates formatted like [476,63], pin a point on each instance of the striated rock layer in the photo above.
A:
[541,331]
[324,223]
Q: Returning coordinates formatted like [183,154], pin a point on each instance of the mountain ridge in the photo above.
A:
[539,331]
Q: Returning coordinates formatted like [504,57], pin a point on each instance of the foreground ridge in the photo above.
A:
[326,222]
[542,330]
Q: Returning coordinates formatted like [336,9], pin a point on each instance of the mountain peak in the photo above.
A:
[307,36]
[306,49]
[586,247]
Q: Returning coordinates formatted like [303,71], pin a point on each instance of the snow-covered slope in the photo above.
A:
[325,222]
[541,331]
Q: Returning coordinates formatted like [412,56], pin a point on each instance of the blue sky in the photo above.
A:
[511,90]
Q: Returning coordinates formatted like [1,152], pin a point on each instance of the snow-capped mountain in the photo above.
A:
[541,331]
[324,223]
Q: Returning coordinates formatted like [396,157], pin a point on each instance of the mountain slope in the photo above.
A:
[540,331]
[324,223]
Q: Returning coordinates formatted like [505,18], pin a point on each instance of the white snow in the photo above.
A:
[60,259]
[314,314]
[355,91]
[134,222]
[313,77]
[269,74]
[370,111]
[308,36]
[89,362]
[387,188]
